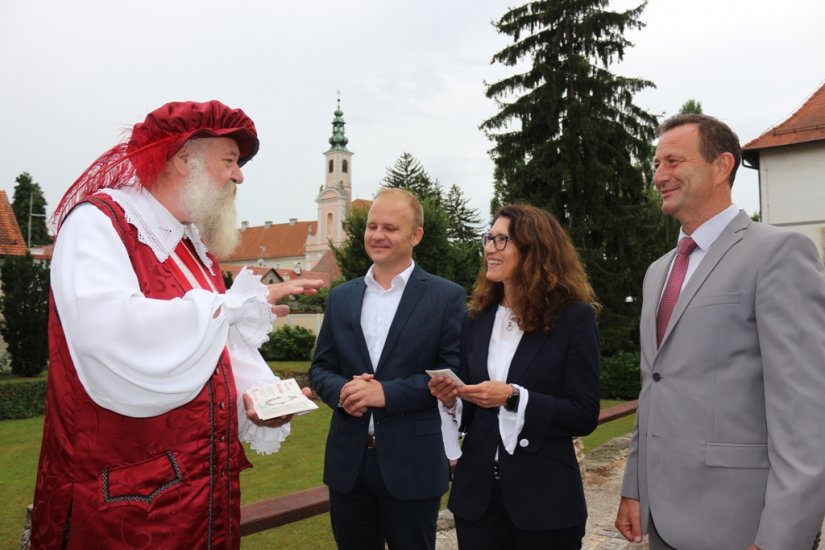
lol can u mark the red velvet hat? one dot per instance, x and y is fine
(154, 141)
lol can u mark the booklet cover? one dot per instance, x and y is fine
(280, 399)
(446, 373)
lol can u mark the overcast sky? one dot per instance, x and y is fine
(411, 76)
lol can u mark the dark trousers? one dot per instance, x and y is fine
(495, 531)
(367, 516)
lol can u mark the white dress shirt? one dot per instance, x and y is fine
(377, 312)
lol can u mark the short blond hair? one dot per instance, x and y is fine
(411, 200)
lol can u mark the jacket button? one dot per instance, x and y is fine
(656, 376)
(523, 443)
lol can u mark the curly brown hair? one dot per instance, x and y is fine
(549, 278)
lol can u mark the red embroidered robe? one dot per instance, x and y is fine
(111, 481)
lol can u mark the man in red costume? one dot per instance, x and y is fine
(150, 355)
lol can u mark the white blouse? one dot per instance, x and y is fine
(140, 356)
(504, 341)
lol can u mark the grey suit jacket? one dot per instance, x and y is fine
(729, 444)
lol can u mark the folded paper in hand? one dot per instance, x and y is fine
(446, 373)
(280, 399)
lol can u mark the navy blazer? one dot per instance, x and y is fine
(423, 335)
(540, 482)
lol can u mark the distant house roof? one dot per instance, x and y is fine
(276, 240)
(288, 274)
(328, 264)
(807, 124)
(268, 274)
(11, 239)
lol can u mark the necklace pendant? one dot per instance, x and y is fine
(509, 324)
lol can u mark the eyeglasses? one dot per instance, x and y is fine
(499, 241)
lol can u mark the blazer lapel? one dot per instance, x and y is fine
(353, 311)
(650, 306)
(413, 292)
(482, 330)
(527, 349)
(732, 234)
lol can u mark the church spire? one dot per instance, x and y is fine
(338, 141)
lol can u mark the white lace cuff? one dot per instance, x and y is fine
(247, 310)
(450, 421)
(250, 371)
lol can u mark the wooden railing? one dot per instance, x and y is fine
(274, 512)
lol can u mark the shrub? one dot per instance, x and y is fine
(289, 343)
(620, 376)
(22, 399)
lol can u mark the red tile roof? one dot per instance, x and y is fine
(805, 125)
(328, 264)
(11, 239)
(277, 240)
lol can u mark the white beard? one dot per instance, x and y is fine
(211, 207)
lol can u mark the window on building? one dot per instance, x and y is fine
(330, 166)
(329, 222)
(345, 166)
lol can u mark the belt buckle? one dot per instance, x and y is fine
(371, 441)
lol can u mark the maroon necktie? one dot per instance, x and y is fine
(673, 286)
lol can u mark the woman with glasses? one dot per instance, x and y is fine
(530, 369)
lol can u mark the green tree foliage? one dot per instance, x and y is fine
(28, 194)
(569, 138)
(289, 343)
(450, 246)
(407, 173)
(691, 106)
(25, 306)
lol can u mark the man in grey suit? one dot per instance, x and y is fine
(728, 451)
(385, 464)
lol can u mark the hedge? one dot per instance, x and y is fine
(620, 376)
(22, 398)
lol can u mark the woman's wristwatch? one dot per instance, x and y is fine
(512, 402)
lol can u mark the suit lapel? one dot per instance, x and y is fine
(732, 234)
(482, 331)
(413, 292)
(353, 310)
(527, 349)
(650, 306)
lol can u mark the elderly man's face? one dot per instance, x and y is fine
(220, 157)
(209, 190)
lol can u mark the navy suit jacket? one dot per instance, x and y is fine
(540, 482)
(423, 335)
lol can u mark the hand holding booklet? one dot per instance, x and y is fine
(446, 373)
(280, 399)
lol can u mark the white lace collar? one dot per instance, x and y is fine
(157, 227)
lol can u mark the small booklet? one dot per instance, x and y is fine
(280, 399)
(446, 373)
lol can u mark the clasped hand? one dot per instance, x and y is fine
(487, 394)
(360, 393)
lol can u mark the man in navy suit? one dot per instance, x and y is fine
(385, 464)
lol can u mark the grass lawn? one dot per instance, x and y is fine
(299, 465)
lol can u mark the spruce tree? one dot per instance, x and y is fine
(28, 194)
(25, 307)
(569, 138)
